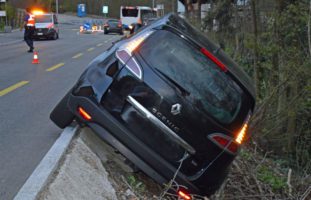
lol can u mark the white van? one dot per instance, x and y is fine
(135, 14)
(46, 26)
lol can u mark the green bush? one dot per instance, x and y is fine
(267, 176)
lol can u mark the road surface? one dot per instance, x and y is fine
(28, 92)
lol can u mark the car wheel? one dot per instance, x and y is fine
(61, 115)
(54, 36)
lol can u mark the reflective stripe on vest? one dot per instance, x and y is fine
(31, 21)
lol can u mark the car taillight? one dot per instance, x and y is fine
(84, 114)
(183, 194)
(225, 142)
(214, 59)
(125, 54)
(242, 133)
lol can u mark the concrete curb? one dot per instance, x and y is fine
(39, 178)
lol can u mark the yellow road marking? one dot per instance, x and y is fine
(55, 67)
(13, 87)
(90, 49)
(100, 44)
(78, 55)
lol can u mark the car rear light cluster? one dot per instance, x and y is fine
(242, 133)
(125, 54)
(230, 144)
(120, 24)
(183, 194)
(225, 142)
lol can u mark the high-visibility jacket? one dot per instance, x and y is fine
(31, 20)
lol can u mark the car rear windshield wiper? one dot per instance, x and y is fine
(183, 91)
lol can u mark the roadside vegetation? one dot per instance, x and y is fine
(271, 41)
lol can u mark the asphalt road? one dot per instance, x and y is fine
(28, 92)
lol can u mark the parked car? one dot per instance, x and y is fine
(113, 26)
(46, 26)
(170, 101)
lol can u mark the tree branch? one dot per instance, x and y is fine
(309, 29)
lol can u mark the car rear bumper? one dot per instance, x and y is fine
(114, 30)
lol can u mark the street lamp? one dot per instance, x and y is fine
(56, 7)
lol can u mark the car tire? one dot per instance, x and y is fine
(61, 115)
(54, 36)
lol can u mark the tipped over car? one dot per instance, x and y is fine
(170, 100)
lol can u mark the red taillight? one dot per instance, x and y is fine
(184, 195)
(84, 114)
(214, 59)
(224, 142)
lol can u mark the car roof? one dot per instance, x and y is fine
(180, 24)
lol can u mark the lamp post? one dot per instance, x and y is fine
(56, 4)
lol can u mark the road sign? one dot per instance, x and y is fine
(105, 9)
(2, 13)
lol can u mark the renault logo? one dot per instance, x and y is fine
(176, 108)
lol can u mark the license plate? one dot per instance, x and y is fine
(40, 33)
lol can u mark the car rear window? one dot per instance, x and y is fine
(113, 22)
(211, 90)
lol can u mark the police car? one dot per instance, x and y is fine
(46, 26)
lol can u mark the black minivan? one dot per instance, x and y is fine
(170, 101)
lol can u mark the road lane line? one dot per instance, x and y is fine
(91, 49)
(78, 55)
(55, 67)
(100, 44)
(13, 87)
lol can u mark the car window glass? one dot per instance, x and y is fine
(129, 12)
(211, 90)
(115, 23)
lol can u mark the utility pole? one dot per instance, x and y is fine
(56, 4)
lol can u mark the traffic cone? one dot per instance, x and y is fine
(35, 58)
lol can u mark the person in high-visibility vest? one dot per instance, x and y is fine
(29, 26)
